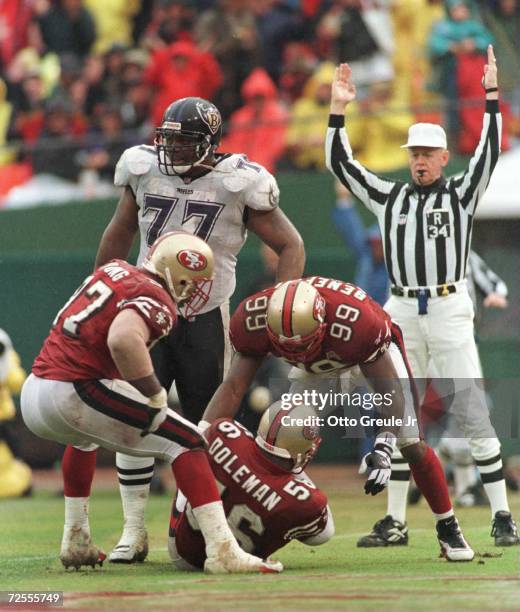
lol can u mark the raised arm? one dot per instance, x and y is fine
(472, 184)
(371, 189)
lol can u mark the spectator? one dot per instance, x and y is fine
(277, 25)
(15, 476)
(361, 36)
(412, 22)
(113, 89)
(299, 62)
(229, 32)
(452, 40)
(503, 20)
(180, 71)
(258, 128)
(108, 144)
(67, 27)
(171, 21)
(309, 117)
(113, 21)
(56, 149)
(384, 124)
(14, 22)
(6, 112)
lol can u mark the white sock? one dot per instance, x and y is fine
(397, 489)
(445, 515)
(135, 475)
(397, 499)
(494, 483)
(76, 513)
(465, 477)
(213, 524)
(497, 495)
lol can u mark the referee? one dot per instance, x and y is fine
(426, 227)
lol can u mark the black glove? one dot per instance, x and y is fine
(379, 464)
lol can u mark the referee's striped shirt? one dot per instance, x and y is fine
(426, 230)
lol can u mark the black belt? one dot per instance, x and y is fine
(439, 291)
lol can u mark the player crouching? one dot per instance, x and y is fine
(267, 500)
(93, 384)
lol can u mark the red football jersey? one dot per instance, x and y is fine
(358, 329)
(265, 506)
(76, 348)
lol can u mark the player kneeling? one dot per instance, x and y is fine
(93, 384)
(267, 499)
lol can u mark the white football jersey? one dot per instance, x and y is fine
(212, 207)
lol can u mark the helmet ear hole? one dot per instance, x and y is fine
(185, 263)
(296, 319)
(290, 433)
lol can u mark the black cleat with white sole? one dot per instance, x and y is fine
(453, 545)
(386, 532)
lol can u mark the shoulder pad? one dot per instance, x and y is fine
(134, 162)
(140, 159)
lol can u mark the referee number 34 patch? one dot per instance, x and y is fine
(438, 224)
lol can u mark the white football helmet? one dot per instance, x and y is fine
(296, 319)
(279, 434)
(185, 262)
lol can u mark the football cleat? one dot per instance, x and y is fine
(386, 532)
(131, 548)
(228, 558)
(77, 549)
(504, 529)
(453, 545)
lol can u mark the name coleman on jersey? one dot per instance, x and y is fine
(241, 474)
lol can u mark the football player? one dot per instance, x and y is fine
(182, 183)
(335, 336)
(267, 500)
(93, 384)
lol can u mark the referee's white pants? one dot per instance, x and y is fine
(55, 410)
(346, 381)
(445, 335)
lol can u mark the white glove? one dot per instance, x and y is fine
(157, 411)
(203, 426)
(379, 462)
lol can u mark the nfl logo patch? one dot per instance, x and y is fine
(402, 219)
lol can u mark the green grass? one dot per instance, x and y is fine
(337, 575)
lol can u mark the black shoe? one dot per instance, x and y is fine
(453, 545)
(504, 529)
(386, 532)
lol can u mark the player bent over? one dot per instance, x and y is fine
(93, 385)
(267, 500)
(337, 337)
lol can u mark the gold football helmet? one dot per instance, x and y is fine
(296, 319)
(292, 433)
(185, 262)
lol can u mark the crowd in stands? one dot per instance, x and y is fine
(81, 80)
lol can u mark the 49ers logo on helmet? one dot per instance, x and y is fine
(310, 432)
(193, 260)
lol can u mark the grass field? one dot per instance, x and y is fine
(337, 575)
